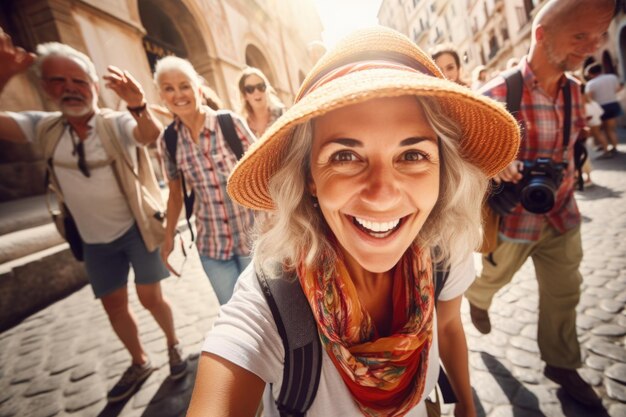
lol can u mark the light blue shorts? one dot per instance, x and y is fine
(108, 264)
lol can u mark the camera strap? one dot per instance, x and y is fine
(567, 117)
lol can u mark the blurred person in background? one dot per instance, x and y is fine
(603, 88)
(203, 160)
(479, 77)
(259, 103)
(447, 59)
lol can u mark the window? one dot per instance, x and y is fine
(494, 47)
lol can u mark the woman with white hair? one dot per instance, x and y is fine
(378, 170)
(202, 161)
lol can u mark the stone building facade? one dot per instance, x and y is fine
(489, 32)
(219, 37)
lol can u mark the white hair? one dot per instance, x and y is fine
(49, 49)
(170, 63)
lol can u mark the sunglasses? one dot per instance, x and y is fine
(79, 150)
(249, 89)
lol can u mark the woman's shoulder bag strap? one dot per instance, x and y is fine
(303, 349)
(230, 134)
(170, 136)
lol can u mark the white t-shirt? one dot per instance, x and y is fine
(245, 334)
(593, 111)
(97, 204)
(603, 88)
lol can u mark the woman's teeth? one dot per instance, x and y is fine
(377, 229)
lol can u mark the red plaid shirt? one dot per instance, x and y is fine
(541, 119)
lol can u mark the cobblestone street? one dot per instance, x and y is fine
(62, 360)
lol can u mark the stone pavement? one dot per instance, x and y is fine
(62, 360)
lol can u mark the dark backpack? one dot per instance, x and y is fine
(170, 136)
(503, 199)
(303, 350)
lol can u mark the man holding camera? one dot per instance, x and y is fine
(564, 33)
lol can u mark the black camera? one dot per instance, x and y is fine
(540, 182)
(536, 191)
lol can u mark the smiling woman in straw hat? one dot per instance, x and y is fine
(377, 171)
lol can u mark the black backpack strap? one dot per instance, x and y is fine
(230, 134)
(567, 117)
(580, 151)
(170, 135)
(514, 88)
(303, 350)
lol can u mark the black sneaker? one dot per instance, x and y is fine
(480, 319)
(178, 365)
(573, 385)
(130, 381)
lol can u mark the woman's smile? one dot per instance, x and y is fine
(376, 229)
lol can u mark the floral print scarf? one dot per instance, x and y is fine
(385, 375)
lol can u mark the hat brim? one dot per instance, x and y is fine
(489, 134)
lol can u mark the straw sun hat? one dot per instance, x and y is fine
(372, 63)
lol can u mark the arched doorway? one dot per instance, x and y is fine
(255, 58)
(162, 38)
(607, 63)
(171, 29)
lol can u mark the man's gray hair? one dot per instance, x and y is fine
(46, 50)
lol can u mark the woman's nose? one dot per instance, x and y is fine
(380, 187)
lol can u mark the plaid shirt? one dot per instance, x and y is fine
(541, 120)
(222, 225)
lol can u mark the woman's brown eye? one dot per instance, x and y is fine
(343, 156)
(413, 156)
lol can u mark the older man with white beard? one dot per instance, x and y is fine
(113, 236)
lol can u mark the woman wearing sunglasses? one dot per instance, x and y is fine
(260, 105)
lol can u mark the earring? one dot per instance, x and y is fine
(316, 204)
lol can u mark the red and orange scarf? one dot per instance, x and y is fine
(386, 375)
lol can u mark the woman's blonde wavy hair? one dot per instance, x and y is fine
(297, 230)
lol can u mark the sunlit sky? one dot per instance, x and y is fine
(340, 17)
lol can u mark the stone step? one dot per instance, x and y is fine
(18, 244)
(34, 281)
(23, 214)
(36, 265)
